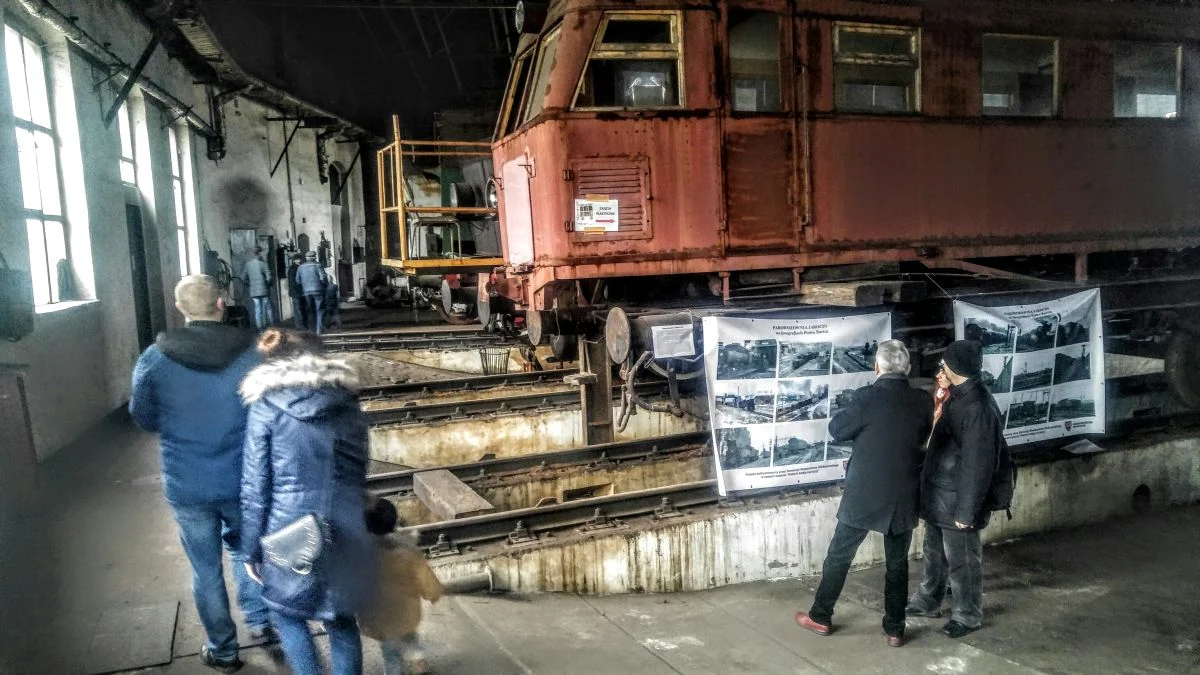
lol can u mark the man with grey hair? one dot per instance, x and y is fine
(887, 422)
(185, 389)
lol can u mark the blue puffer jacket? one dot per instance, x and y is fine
(311, 277)
(185, 388)
(306, 452)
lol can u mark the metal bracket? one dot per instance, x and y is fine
(441, 549)
(730, 502)
(665, 510)
(134, 74)
(286, 145)
(177, 117)
(599, 522)
(520, 536)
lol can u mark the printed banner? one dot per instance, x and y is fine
(1043, 363)
(773, 384)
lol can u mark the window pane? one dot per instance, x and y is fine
(35, 75)
(864, 44)
(38, 268)
(14, 57)
(626, 31)
(542, 79)
(518, 94)
(173, 147)
(1021, 69)
(620, 83)
(885, 89)
(128, 172)
(1145, 80)
(181, 235)
(56, 252)
(180, 219)
(126, 133)
(27, 156)
(754, 61)
(47, 164)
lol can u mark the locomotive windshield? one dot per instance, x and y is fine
(541, 77)
(634, 63)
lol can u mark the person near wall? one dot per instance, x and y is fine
(305, 470)
(312, 280)
(333, 305)
(955, 482)
(257, 275)
(405, 579)
(296, 294)
(185, 388)
(888, 423)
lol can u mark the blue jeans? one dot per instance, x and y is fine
(955, 556)
(396, 652)
(202, 529)
(264, 314)
(345, 645)
(299, 309)
(316, 311)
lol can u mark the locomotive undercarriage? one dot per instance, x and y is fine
(1151, 301)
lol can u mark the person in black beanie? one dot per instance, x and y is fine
(955, 479)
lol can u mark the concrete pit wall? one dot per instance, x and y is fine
(509, 435)
(526, 491)
(776, 539)
(467, 361)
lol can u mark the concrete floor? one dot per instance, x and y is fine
(98, 571)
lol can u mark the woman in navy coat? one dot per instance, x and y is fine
(306, 453)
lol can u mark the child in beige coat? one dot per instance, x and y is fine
(404, 579)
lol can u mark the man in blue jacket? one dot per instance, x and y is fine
(312, 279)
(185, 388)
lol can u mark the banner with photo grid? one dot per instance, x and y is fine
(773, 384)
(1043, 363)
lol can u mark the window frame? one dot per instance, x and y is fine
(53, 293)
(914, 61)
(783, 38)
(554, 34)
(183, 230)
(636, 52)
(513, 99)
(1179, 97)
(125, 115)
(1056, 95)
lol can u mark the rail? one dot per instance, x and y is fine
(394, 482)
(402, 340)
(428, 412)
(480, 383)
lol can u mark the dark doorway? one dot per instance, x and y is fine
(141, 277)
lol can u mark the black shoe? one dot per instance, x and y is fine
(222, 665)
(265, 633)
(913, 610)
(956, 630)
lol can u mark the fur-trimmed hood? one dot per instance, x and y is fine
(306, 373)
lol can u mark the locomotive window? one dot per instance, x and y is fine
(876, 68)
(541, 78)
(634, 63)
(1020, 76)
(1145, 80)
(754, 61)
(511, 115)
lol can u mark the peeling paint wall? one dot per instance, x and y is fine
(775, 540)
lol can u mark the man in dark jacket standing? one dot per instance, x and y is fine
(296, 294)
(888, 422)
(185, 388)
(312, 279)
(955, 482)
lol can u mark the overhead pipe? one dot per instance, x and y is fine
(78, 37)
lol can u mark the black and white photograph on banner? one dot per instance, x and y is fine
(1033, 371)
(1076, 328)
(1028, 408)
(997, 373)
(843, 388)
(745, 447)
(741, 402)
(1034, 335)
(799, 443)
(1073, 363)
(854, 355)
(804, 359)
(1072, 401)
(994, 335)
(835, 450)
(806, 399)
(747, 359)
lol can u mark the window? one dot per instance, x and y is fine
(634, 63)
(876, 68)
(128, 165)
(541, 79)
(754, 61)
(510, 117)
(183, 230)
(37, 151)
(1145, 80)
(1020, 76)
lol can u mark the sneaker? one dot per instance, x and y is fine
(914, 610)
(806, 622)
(231, 665)
(954, 630)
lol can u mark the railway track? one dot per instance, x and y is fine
(604, 454)
(385, 340)
(429, 412)
(464, 384)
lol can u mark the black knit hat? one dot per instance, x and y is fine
(964, 357)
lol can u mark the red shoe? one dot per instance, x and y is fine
(894, 640)
(807, 623)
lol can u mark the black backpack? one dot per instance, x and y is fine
(1004, 478)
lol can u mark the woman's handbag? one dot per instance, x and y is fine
(296, 546)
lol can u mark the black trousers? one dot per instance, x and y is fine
(842, 549)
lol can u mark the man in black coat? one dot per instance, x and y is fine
(888, 423)
(955, 482)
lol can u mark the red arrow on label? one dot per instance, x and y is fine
(605, 220)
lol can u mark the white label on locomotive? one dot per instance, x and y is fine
(597, 213)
